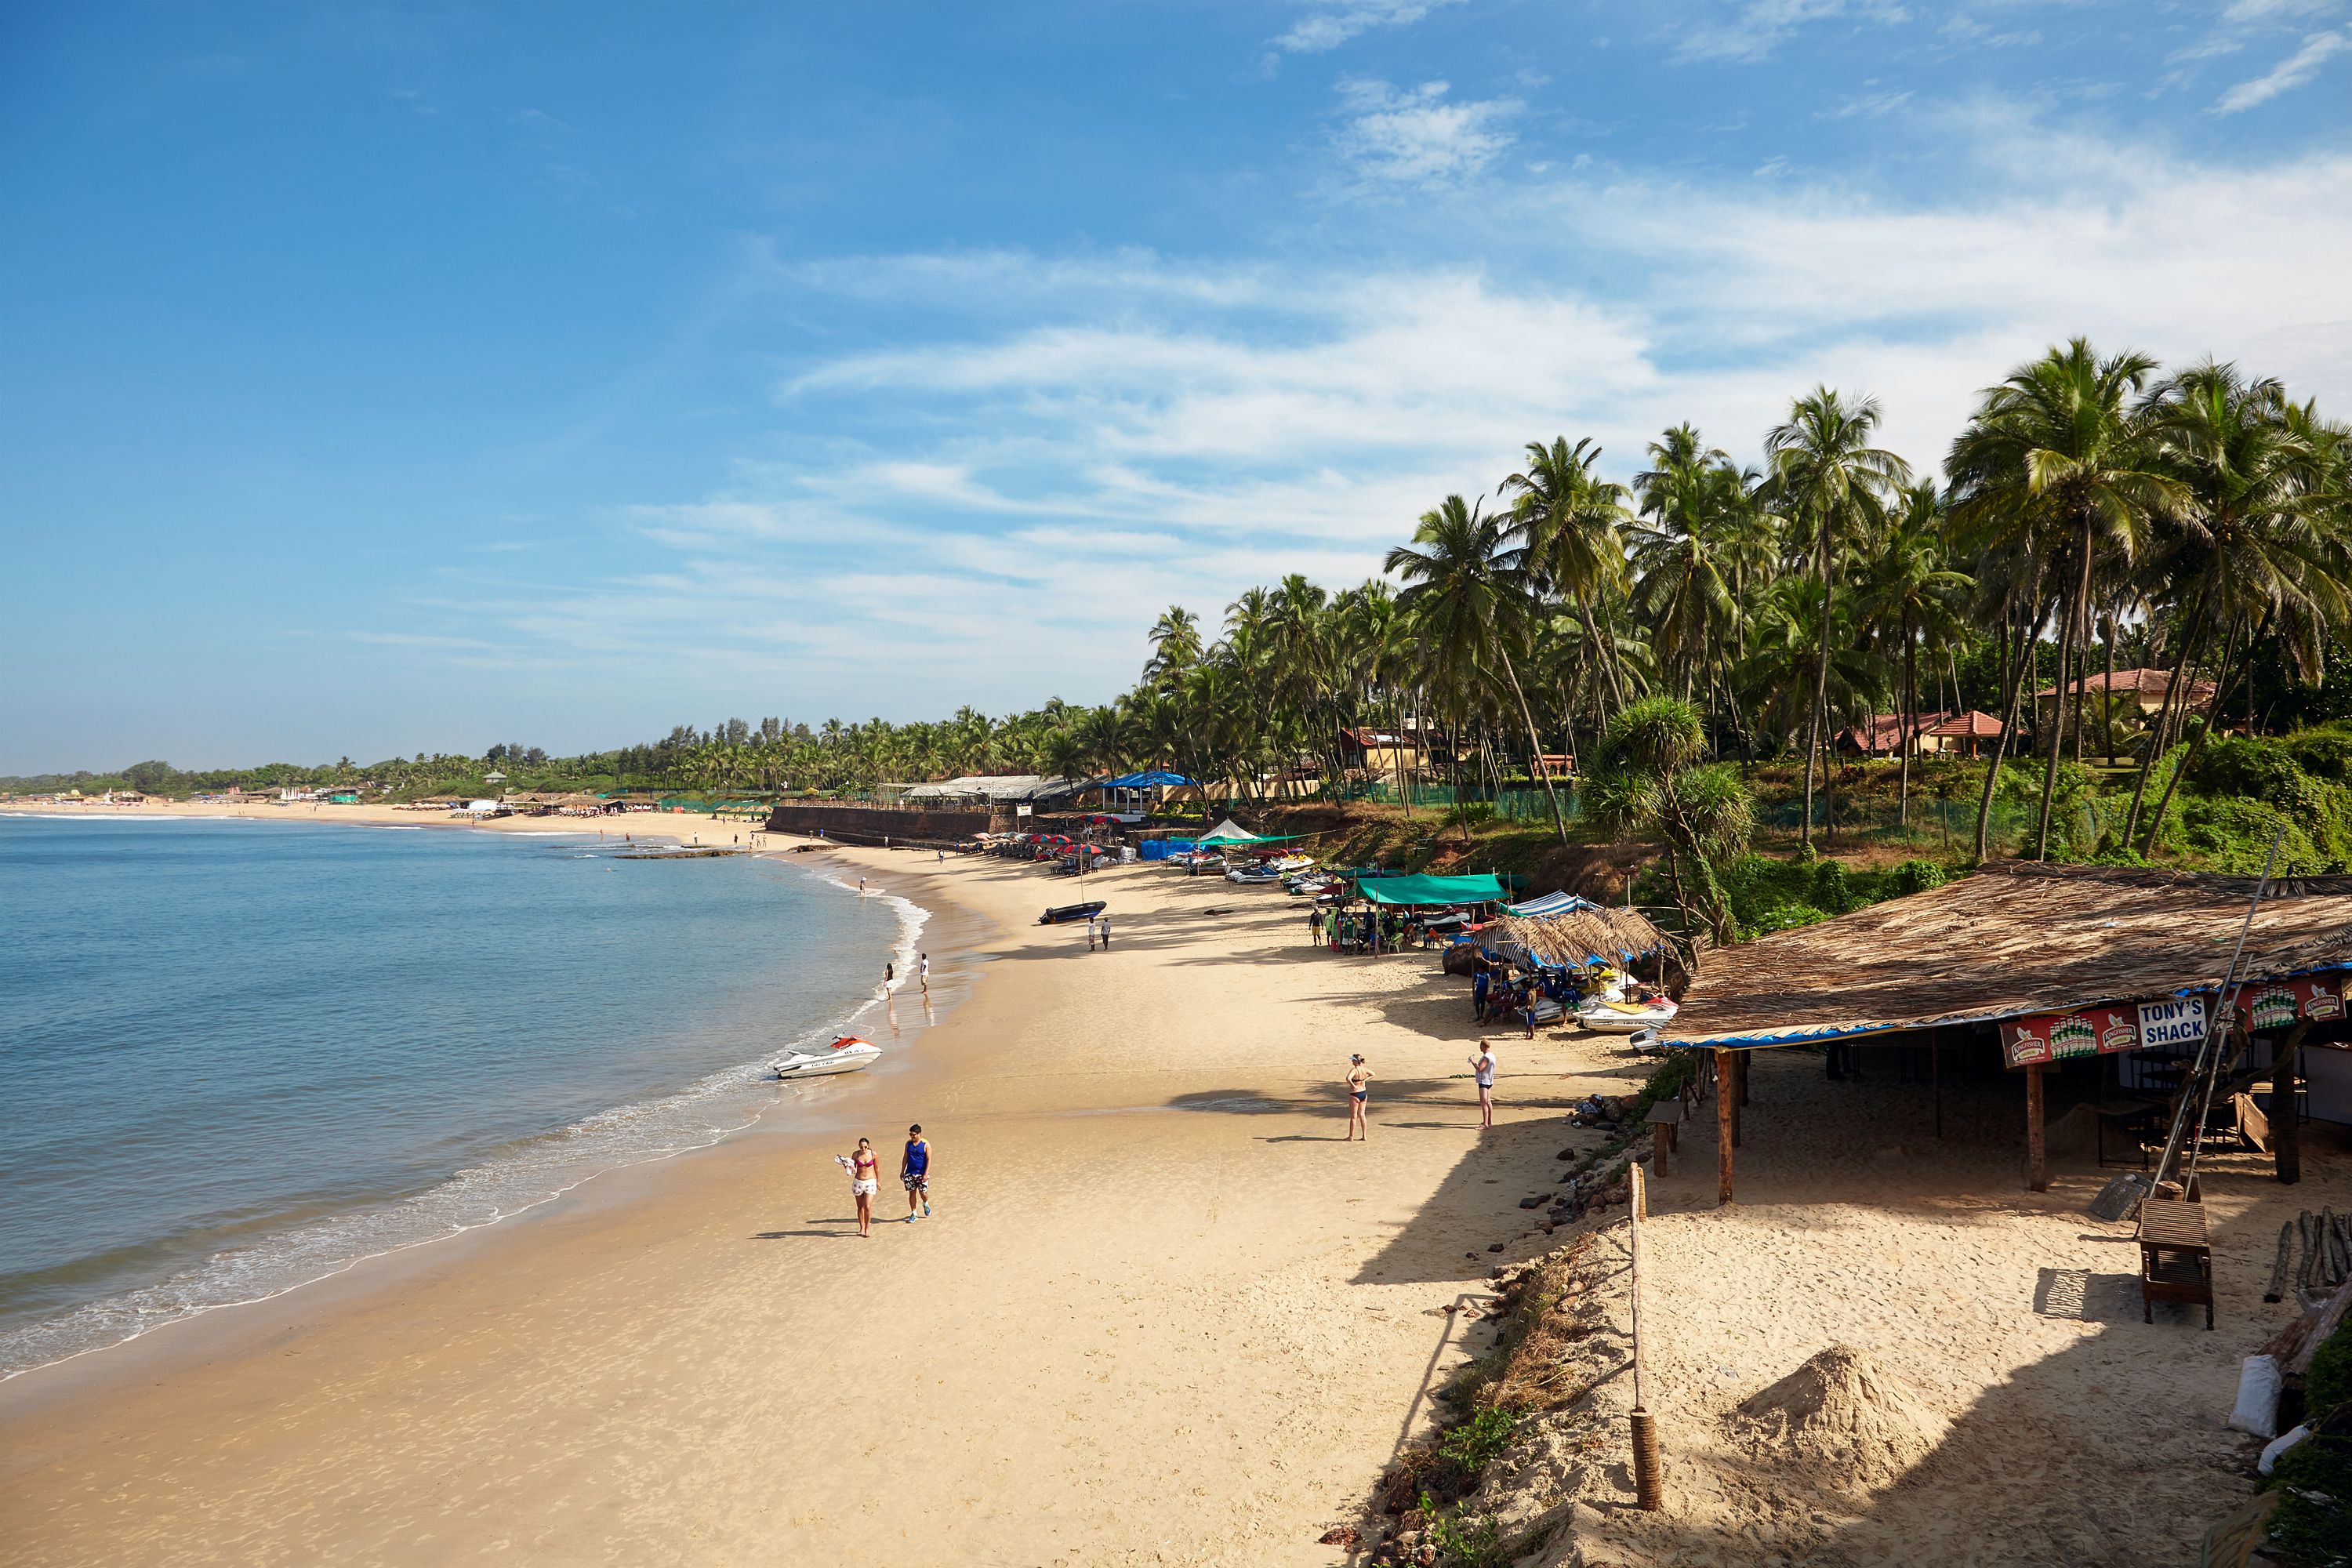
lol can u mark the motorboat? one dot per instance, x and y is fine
(1067, 914)
(1620, 1018)
(847, 1054)
(1249, 875)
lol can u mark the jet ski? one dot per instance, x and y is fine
(847, 1053)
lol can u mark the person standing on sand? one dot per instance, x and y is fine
(915, 1173)
(923, 971)
(1482, 1067)
(889, 974)
(861, 1167)
(1359, 1080)
(1313, 927)
(1106, 925)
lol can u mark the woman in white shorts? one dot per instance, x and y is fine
(863, 1176)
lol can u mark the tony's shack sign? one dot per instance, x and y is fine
(2177, 1021)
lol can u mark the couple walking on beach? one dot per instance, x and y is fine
(865, 1177)
(1360, 1089)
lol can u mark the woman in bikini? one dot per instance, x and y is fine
(1359, 1082)
(864, 1174)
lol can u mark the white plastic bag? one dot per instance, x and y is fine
(2281, 1445)
(2258, 1397)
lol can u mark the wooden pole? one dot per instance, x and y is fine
(2286, 1135)
(1647, 1493)
(1726, 1139)
(2037, 1164)
(1739, 1095)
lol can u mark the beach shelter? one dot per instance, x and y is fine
(1411, 890)
(1229, 832)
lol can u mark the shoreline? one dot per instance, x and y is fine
(722, 1083)
(1151, 1251)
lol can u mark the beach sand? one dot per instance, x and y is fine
(1163, 1314)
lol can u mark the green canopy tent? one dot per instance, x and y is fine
(1430, 890)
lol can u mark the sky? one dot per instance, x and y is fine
(378, 379)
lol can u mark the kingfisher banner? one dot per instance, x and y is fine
(2283, 1004)
(2054, 1037)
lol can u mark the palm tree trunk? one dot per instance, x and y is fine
(2107, 703)
(1535, 747)
(1904, 726)
(2057, 728)
(2175, 699)
(2197, 743)
(1604, 657)
(2013, 662)
(1820, 696)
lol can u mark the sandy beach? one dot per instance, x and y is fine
(1163, 1314)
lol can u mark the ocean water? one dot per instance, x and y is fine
(237, 1055)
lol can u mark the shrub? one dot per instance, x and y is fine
(1475, 1444)
(2325, 753)
(2261, 770)
(2328, 1381)
(1913, 877)
(1830, 890)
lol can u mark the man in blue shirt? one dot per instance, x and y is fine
(915, 1173)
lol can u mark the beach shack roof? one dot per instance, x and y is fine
(2017, 938)
(1564, 930)
(1409, 889)
(1000, 787)
(1968, 726)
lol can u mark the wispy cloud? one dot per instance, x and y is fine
(1329, 25)
(1414, 136)
(1758, 27)
(1869, 106)
(2298, 68)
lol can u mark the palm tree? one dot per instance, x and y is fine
(1471, 600)
(2261, 528)
(2058, 442)
(1833, 486)
(1652, 779)
(1912, 590)
(1567, 518)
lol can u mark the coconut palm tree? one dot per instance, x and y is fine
(1567, 521)
(2059, 443)
(1652, 779)
(1833, 487)
(1467, 593)
(1911, 590)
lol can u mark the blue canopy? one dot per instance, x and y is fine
(1155, 780)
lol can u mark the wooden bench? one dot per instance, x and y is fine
(2176, 1258)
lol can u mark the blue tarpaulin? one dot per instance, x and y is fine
(1156, 780)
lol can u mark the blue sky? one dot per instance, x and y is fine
(377, 379)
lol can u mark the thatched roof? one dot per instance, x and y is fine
(1580, 935)
(2017, 937)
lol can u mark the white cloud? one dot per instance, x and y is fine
(1760, 26)
(1415, 137)
(1328, 26)
(1001, 505)
(2288, 74)
(1869, 106)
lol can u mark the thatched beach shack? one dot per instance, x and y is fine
(2104, 975)
(1566, 932)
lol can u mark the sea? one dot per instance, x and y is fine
(237, 1056)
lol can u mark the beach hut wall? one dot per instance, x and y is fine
(2016, 938)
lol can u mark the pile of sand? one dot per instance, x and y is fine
(1841, 1421)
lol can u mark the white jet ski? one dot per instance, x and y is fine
(1610, 1014)
(847, 1053)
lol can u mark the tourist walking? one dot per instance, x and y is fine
(889, 974)
(915, 1173)
(1106, 925)
(923, 971)
(863, 1179)
(1359, 1082)
(1482, 1067)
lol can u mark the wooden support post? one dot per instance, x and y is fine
(2037, 1163)
(1725, 1109)
(2286, 1134)
(1738, 1092)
